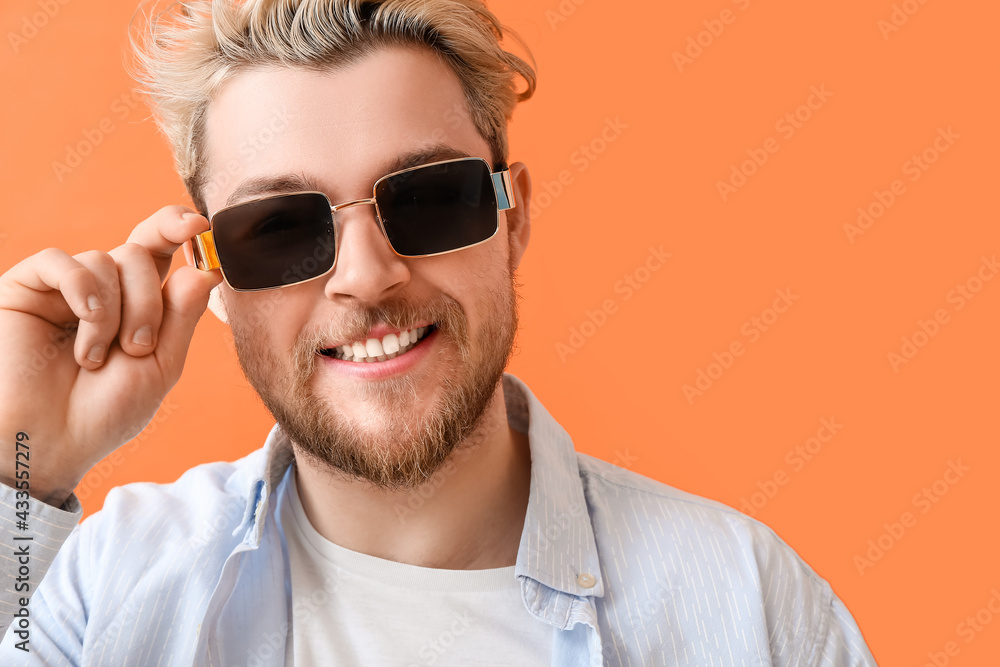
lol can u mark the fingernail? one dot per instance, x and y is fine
(93, 302)
(188, 217)
(143, 336)
(97, 353)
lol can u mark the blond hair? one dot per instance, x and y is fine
(184, 55)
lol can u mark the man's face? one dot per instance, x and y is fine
(390, 422)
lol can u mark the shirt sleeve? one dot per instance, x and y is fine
(806, 622)
(842, 644)
(31, 534)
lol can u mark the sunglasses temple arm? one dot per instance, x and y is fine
(203, 251)
(504, 189)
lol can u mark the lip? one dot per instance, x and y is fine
(379, 331)
(377, 370)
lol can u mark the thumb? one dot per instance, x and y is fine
(185, 297)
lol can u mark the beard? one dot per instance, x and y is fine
(391, 447)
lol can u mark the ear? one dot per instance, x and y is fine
(519, 217)
(216, 305)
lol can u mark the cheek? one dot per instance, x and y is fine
(270, 319)
(466, 274)
(480, 283)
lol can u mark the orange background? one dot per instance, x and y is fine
(680, 131)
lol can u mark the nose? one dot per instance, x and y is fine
(367, 269)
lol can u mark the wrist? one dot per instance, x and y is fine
(54, 494)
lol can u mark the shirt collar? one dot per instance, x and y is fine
(557, 545)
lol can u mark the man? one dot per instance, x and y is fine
(367, 256)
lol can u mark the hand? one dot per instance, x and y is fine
(91, 345)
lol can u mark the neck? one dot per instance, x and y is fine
(468, 516)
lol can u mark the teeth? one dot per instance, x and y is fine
(374, 347)
(389, 347)
(390, 344)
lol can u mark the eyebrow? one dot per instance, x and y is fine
(285, 183)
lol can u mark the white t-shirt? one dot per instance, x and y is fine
(353, 609)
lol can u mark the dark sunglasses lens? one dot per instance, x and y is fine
(275, 241)
(439, 207)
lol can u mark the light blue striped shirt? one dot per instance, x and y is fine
(626, 570)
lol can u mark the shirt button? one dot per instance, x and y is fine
(586, 580)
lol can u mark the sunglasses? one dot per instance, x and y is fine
(287, 239)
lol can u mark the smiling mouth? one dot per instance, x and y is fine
(388, 347)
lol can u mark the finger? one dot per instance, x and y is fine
(185, 297)
(93, 338)
(53, 286)
(141, 299)
(165, 231)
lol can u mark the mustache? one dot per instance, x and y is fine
(398, 313)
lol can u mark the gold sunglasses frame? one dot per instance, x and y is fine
(206, 257)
